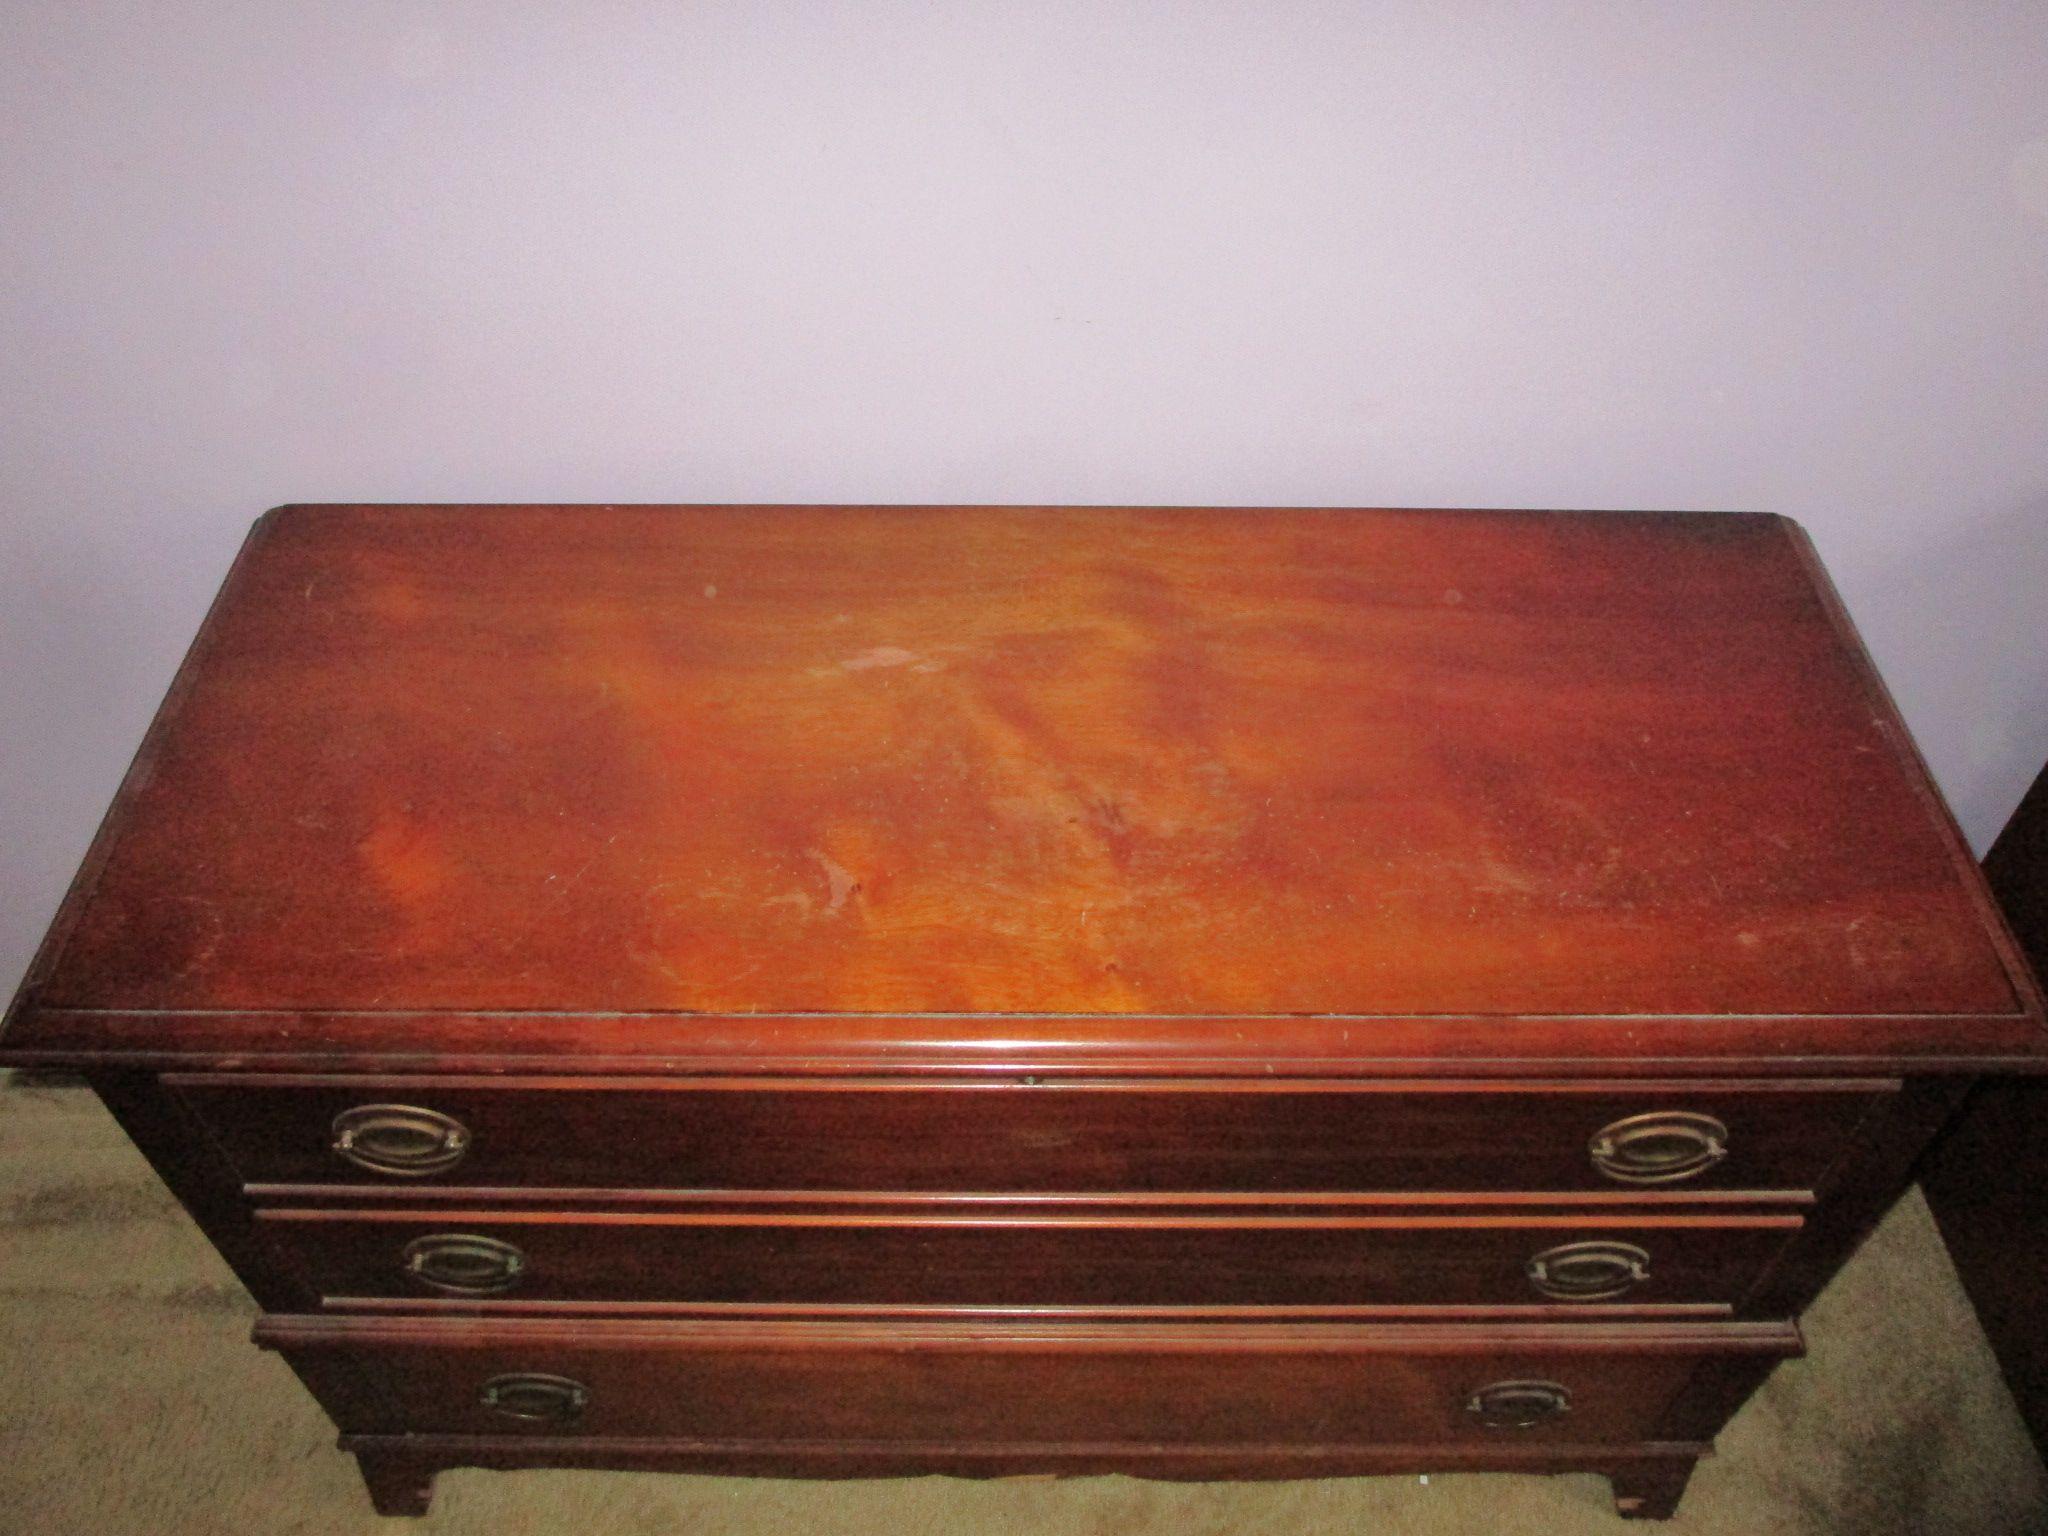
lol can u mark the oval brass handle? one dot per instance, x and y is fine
(1588, 1271)
(463, 1263)
(1661, 1147)
(535, 1397)
(1519, 1404)
(400, 1139)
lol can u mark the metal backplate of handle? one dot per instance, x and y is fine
(463, 1264)
(1519, 1404)
(1661, 1147)
(1588, 1271)
(534, 1397)
(400, 1139)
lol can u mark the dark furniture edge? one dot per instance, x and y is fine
(140, 767)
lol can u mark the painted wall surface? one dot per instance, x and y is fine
(1645, 254)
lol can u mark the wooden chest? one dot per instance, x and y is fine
(1196, 993)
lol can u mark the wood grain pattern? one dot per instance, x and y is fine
(1004, 990)
(784, 1134)
(1089, 763)
(1082, 1261)
(1137, 1385)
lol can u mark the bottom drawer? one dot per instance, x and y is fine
(1073, 1385)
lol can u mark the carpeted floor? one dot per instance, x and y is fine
(132, 1401)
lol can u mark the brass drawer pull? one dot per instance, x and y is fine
(464, 1264)
(400, 1139)
(535, 1398)
(1588, 1271)
(1659, 1148)
(1519, 1404)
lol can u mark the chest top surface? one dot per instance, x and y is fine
(945, 765)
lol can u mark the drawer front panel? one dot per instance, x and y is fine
(839, 1261)
(778, 1135)
(498, 1380)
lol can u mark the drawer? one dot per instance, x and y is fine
(825, 1135)
(1130, 1385)
(843, 1260)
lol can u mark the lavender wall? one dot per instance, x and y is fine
(1632, 255)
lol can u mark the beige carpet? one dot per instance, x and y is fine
(132, 1401)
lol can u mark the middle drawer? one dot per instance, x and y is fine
(844, 1259)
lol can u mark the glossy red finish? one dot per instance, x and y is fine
(1269, 1137)
(1028, 989)
(1091, 1260)
(1143, 1386)
(664, 768)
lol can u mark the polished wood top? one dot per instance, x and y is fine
(918, 763)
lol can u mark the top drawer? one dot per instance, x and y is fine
(784, 1134)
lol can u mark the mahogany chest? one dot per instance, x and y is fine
(1195, 993)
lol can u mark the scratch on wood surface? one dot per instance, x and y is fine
(838, 878)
